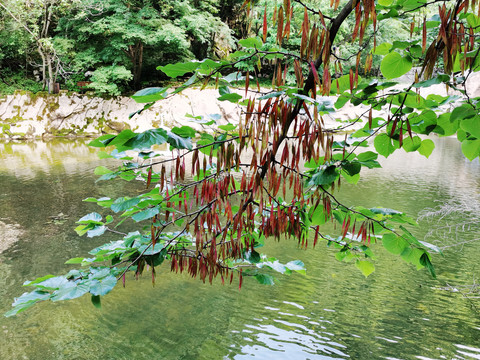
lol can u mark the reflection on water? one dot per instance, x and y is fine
(331, 313)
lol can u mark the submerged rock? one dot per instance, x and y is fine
(9, 234)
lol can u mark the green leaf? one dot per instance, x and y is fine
(184, 131)
(425, 261)
(179, 69)
(384, 48)
(412, 144)
(179, 142)
(227, 127)
(471, 148)
(433, 81)
(318, 216)
(296, 265)
(366, 267)
(462, 112)
(232, 97)
(352, 167)
(426, 147)
(77, 260)
(472, 126)
(70, 291)
(265, 279)
(146, 139)
(146, 214)
(253, 42)
(96, 231)
(102, 170)
(149, 95)
(367, 155)
(325, 175)
(92, 218)
(395, 65)
(27, 300)
(384, 146)
(96, 301)
(124, 203)
(394, 244)
(103, 286)
(100, 141)
(121, 138)
(272, 95)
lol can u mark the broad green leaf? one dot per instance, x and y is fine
(425, 261)
(96, 301)
(179, 69)
(318, 216)
(265, 279)
(426, 147)
(121, 138)
(184, 131)
(103, 286)
(146, 139)
(96, 231)
(146, 214)
(77, 260)
(52, 283)
(227, 127)
(232, 97)
(179, 142)
(384, 48)
(148, 250)
(411, 144)
(92, 218)
(102, 170)
(367, 155)
(253, 42)
(366, 267)
(439, 79)
(296, 265)
(431, 247)
(324, 175)
(150, 95)
(412, 255)
(395, 65)
(472, 126)
(384, 145)
(71, 291)
(352, 167)
(471, 148)
(124, 203)
(272, 95)
(394, 244)
(462, 112)
(27, 300)
(100, 141)
(385, 211)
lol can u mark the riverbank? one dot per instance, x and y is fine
(25, 115)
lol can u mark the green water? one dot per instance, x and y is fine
(331, 313)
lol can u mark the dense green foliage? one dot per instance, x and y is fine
(111, 43)
(224, 190)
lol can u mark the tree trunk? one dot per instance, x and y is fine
(135, 53)
(44, 63)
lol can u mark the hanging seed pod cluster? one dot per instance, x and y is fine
(274, 174)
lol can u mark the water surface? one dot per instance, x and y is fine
(331, 313)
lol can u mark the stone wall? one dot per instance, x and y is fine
(26, 115)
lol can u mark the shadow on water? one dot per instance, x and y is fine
(331, 313)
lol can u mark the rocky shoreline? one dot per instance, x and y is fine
(26, 115)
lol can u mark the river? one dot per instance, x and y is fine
(333, 312)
